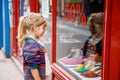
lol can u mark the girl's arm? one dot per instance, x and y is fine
(33, 58)
(35, 74)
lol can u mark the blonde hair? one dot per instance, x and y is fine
(25, 25)
(97, 18)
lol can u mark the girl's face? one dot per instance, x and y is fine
(40, 30)
(92, 29)
(95, 29)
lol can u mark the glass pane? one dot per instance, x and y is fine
(73, 32)
(45, 10)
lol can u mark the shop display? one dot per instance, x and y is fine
(85, 74)
(89, 74)
(88, 67)
(79, 45)
(73, 58)
(94, 72)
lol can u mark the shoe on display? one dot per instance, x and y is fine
(83, 70)
(95, 68)
(91, 61)
(75, 53)
(98, 64)
(71, 61)
(73, 58)
(91, 73)
(81, 66)
(90, 64)
(98, 72)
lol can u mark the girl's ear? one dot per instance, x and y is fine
(34, 28)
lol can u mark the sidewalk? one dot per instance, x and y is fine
(8, 70)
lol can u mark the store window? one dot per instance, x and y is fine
(79, 49)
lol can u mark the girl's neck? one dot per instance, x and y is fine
(34, 37)
(97, 36)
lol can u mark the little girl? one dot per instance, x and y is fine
(31, 28)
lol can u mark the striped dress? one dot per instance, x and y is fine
(34, 57)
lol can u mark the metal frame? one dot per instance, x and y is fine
(6, 28)
(1, 23)
(54, 30)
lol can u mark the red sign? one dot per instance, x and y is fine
(73, 12)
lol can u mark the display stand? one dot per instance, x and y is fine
(69, 70)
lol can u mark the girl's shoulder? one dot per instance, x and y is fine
(29, 41)
(32, 44)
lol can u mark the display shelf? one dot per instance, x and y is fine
(77, 76)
